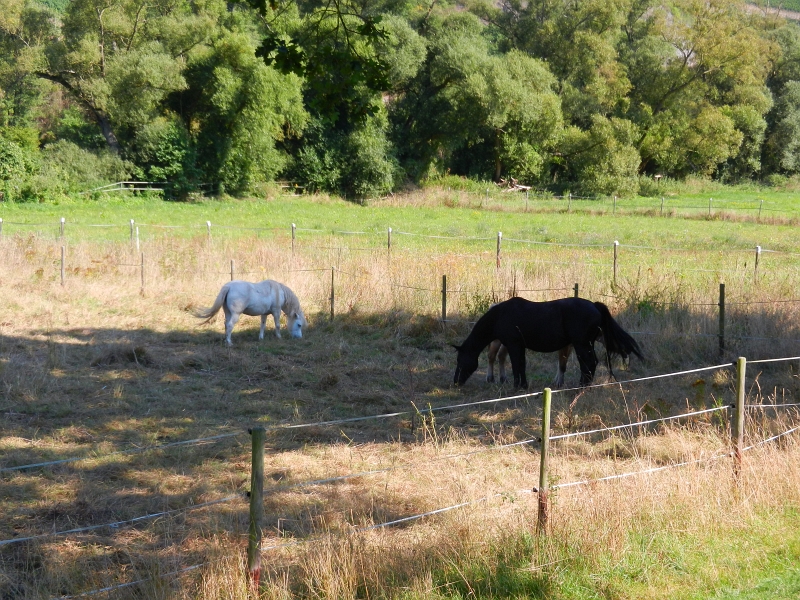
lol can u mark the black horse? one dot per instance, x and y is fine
(544, 327)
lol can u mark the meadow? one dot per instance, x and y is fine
(112, 368)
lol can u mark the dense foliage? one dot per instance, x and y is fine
(361, 97)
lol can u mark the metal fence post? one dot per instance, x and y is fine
(499, 240)
(258, 435)
(721, 318)
(616, 246)
(737, 423)
(544, 505)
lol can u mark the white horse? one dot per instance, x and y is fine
(257, 299)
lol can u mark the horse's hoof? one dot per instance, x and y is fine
(489, 379)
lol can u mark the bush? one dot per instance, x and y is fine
(82, 170)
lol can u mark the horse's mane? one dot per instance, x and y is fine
(290, 300)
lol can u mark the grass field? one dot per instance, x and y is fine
(103, 364)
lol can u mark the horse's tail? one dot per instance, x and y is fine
(617, 340)
(210, 313)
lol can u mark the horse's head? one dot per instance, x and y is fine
(466, 364)
(296, 321)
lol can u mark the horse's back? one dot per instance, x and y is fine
(544, 326)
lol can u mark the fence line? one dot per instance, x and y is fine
(117, 524)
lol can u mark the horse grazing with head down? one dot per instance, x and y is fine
(545, 327)
(257, 299)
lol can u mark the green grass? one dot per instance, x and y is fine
(754, 560)
(276, 216)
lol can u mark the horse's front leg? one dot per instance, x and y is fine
(276, 316)
(501, 363)
(263, 326)
(493, 348)
(517, 356)
(587, 360)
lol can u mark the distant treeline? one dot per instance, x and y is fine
(360, 97)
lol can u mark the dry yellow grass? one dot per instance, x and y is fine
(97, 366)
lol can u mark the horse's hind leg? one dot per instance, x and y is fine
(517, 356)
(263, 326)
(231, 318)
(563, 357)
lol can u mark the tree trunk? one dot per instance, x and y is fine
(99, 115)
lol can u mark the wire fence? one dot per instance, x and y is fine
(418, 464)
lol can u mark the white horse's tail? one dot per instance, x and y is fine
(210, 313)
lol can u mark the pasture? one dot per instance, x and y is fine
(112, 368)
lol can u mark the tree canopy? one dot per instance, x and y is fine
(361, 97)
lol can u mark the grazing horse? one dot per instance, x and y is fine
(257, 299)
(544, 327)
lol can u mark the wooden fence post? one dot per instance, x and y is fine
(389, 240)
(721, 318)
(333, 293)
(132, 224)
(544, 505)
(63, 221)
(615, 206)
(499, 239)
(760, 206)
(709, 206)
(576, 290)
(444, 298)
(737, 422)
(616, 246)
(294, 228)
(662, 206)
(526, 200)
(258, 435)
(755, 270)
(569, 203)
(208, 225)
(63, 252)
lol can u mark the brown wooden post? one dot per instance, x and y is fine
(63, 252)
(544, 505)
(132, 232)
(444, 298)
(737, 421)
(721, 318)
(613, 212)
(499, 240)
(63, 221)
(760, 206)
(616, 246)
(258, 435)
(333, 292)
(389, 240)
(755, 270)
(294, 228)
(576, 290)
(232, 271)
(526, 200)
